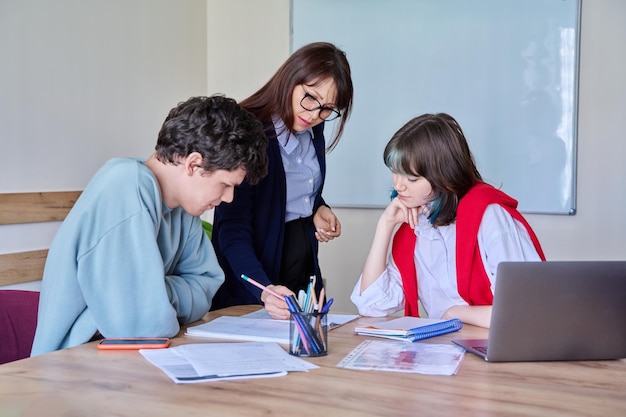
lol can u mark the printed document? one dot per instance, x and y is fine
(395, 356)
(203, 362)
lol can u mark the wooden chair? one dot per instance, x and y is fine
(18, 308)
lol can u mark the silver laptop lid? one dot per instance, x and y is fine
(559, 310)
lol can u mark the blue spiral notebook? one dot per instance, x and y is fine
(410, 329)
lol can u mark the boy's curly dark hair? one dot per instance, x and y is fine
(226, 135)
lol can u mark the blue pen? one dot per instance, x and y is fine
(326, 306)
(294, 308)
(292, 304)
(305, 327)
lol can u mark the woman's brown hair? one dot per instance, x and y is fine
(308, 65)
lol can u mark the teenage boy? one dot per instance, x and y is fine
(131, 259)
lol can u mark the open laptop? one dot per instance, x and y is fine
(559, 310)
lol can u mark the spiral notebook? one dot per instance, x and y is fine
(410, 328)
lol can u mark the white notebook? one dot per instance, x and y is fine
(242, 328)
(257, 326)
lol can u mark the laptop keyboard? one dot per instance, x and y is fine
(481, 349)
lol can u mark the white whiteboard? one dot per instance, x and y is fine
(507, 70)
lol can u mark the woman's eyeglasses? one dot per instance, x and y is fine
(310, 103)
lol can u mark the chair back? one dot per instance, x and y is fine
(18, 321)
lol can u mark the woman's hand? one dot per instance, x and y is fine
(327, 226)
(276, 307)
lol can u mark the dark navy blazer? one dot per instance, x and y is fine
(248, 233)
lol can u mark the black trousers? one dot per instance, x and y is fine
(297, 264)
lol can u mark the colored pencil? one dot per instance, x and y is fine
(261, 286)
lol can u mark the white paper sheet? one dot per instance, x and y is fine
(333, 320)
(242, 328)
(203, 362)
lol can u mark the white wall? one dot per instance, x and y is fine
(82, 81)
(246, 42)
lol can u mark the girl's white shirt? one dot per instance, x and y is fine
(500, 238)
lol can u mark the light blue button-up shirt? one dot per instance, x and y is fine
(302, 170)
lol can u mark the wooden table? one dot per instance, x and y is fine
(83, 381)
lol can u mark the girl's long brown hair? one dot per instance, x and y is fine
(433, 146)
